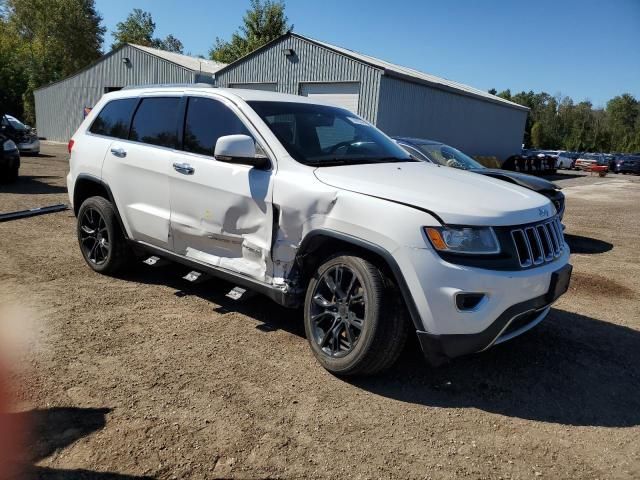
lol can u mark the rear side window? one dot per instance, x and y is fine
(155, 122)
(113, 120)
(205, 122)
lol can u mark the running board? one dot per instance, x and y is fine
(195, 277)
(287, 299)
(239, 293)
(5, 217)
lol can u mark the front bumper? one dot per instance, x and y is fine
(514, 321)
(513, 301)
(32, 146)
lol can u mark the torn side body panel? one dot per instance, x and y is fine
(320, 207)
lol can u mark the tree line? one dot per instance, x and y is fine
(559, 123)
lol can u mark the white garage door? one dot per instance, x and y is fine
(269, 87)
(345, 95)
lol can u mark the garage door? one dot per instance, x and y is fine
(268, 87)
(345, 95)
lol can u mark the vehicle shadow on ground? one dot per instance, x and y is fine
(54, 429)
(571, 370)
(587, 245)
(32, 185)
(565, 175)
(269, 315)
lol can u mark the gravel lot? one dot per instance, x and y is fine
(149, 376)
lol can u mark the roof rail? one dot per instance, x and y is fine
(170, 85)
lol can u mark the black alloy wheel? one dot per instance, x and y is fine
(338, 310)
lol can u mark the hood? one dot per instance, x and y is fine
(536, 184)
(458, 197)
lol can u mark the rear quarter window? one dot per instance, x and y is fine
(114, 119)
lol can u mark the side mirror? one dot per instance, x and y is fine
(239, 149)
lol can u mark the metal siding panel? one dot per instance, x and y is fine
(59, 107)
(311, 63)
(472, 125)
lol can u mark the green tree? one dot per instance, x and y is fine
(53, 39)
(622, 116)
(170, 44)
(262, 23)
(13, 74)
(138, 28)
(537, 135)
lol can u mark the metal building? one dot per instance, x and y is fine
(60, 106)
(399, 100)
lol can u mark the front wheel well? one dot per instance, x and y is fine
(316, 249)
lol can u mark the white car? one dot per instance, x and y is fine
(315, 207)
(566, 160)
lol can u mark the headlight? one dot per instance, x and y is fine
(9, 146)
(465, 240)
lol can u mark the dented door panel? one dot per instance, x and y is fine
(222, 215)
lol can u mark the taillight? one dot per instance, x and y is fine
(70, 145)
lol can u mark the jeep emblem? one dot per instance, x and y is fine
(543, 212)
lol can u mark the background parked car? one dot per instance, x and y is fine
(9, 159)
(23, 135)
(567, 160)
(535, 162)
(630, 164)
(442, 154)
(587, 160)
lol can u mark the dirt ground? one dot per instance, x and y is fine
(149, 376)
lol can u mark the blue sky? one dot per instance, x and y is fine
(586, 49)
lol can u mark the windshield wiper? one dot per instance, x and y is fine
(391, 160)
(333, 162)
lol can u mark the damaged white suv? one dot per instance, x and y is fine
(313, 206)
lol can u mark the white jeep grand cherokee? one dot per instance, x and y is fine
(314, 207)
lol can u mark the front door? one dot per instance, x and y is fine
(221, 214)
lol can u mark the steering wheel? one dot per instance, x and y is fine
(341, 145)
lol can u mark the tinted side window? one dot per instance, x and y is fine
(113, 120)
(206, 121)
(155, 122)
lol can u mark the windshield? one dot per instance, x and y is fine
(322, 136)
(15, 123)
(448, 156)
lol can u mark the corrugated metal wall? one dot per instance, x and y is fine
(59, 107)
(474, 126)
(311, 63)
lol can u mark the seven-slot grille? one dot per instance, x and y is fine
(539, 243)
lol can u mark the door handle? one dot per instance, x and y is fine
(184, 168)
(119, 152)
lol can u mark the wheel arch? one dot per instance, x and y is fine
(89, 186)
(320, 243)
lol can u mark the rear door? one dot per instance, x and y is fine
(136, 169)
(221, 214)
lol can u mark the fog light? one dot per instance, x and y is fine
(468, 301)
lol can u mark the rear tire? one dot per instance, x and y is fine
(102, 243)
(353, 321)
(9, 175)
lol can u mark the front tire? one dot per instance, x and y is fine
(353, 322)
(100, 237)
